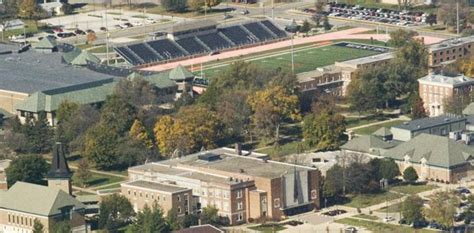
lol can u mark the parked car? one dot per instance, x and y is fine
(79, 32)
(103, 29)
(244, 12)
(388, 219)
(65, 34)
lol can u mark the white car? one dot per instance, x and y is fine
(150, 20)
(137, 23)
(388, 219)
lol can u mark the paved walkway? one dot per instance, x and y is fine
(400, 118)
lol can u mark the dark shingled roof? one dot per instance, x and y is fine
(428, 122)
(59, 167)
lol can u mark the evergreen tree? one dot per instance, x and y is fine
(27, 168)
(410, 174)
(38, 227)
(115, 212)
(149, 221)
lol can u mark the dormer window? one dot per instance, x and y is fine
(406, 159)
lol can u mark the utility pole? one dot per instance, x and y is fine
(457, 17)
(292, 56)
(106, 37)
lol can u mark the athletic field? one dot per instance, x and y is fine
(306, 58)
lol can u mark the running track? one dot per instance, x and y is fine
(339, 35)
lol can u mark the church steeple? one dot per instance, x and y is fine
(59, 175)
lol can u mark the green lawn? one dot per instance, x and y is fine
(31, 27)
(99, 180)
(412, 189)
(373, 128)
(355, 121)
(378, 227)
(365, 200)
(282, 150)
(267, 228)
(394, 208)
(366, 216)
(305, 59)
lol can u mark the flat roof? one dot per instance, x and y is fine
(31, 71)
(428, 122)
(452, 43)
(368, 59)
(231, 162)
(168, 188)
(445, 80)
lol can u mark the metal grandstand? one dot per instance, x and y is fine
(199, 41)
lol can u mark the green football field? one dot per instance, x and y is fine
(306, 58)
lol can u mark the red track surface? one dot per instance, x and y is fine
(339, 35)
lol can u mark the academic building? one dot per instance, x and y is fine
(242, 185)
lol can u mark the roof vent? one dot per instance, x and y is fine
(209, 157)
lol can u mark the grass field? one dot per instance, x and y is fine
(365, 200)
(365, 216)
(373, 128)
(97, 179)
(305, 58)
(412, 189)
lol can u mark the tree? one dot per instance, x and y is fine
(139, 133)
(184, 100)
(172, 220)
(61, 227)
(83, 173)
(411, 209)
(409, 174)
(72, 130)
(358, 179)
(417, 108)
(456, 103)
(192, 128)
(189, 220)
(442, 208)
(319, 11)
(117, 115)
(209, 215)
(149, 221)
(27, 9)
(136, 91)
(27, 168)
(65, 111)
(305, 27)
(115, 211)
(400, 37)
(324, 131)
(38, 227)
(271, 106)
(91, 37)
(447, 12)
(174, 5)
(431, 19)
(234, 111)
(333, 184)
(389, 169)
(38, 134)
(100, 147)
(326, 25)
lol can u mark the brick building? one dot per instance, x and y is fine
(449, 50)
(240, 184)
(167, 196)
(435, 89)
(334, 79)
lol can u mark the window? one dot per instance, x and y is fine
(179, 209)
(240, 205)
(179, 197)
(146, 195)
(129, 192)
(9, 218)
(152, 196)
(276, 202)
(134, 193)
(240, 217)
(239, 193)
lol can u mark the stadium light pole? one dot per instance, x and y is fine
(292, 56)
(106, 37)
(457, 17)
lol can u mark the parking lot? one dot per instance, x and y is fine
(105, 21)
(401, 18)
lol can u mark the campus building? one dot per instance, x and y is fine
(439, 148)
(24, 202)
(436, 89)
(450, 50)
(54, 73)
(143, 193)
(242, 185)
(334, 79)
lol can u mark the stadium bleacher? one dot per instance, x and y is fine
(214, 41)
(238, 35)
(163, 50)
(260, 32)
(192, 46)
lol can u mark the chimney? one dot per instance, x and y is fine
(238, 148)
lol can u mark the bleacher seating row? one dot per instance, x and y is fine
(228, 37)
